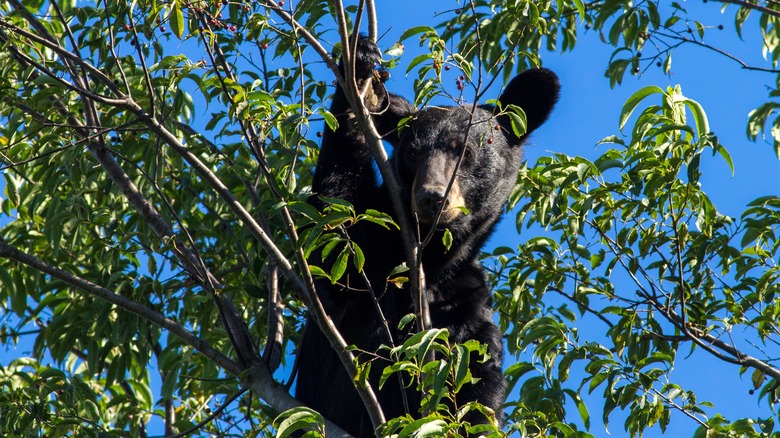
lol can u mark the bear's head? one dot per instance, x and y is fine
(431, 144)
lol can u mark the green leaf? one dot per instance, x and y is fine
(461, 366)
(316, 271)
(633, 102)
(177, 20)
(330, 119)
(702, 125)
(11, 189)
(758, 378)
(580, 9)
(340, 266)
(398, 269)
(425, 427)
(379, 218)
(416, 30)
(409, 317)
(446, 239)
(299, 418)
(358, 258)
(517, 119)
(581, 407)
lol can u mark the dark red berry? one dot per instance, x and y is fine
(162, 28)
(127, 27)
(264, 46)
(447, 67)
(490, 140)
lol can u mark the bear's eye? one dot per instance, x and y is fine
(467, 153)
(411, 154)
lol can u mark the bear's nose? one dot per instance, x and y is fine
(429, 201)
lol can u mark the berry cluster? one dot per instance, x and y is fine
(460, 82)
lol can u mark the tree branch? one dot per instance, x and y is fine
(9, 252)
(706, 341)
(257, 378)
(753, 6)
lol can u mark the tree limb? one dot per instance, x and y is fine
(257, 378)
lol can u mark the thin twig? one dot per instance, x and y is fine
(753, 6)
(214, 414)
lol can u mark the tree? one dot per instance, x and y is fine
(149, 246)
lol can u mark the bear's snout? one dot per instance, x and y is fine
(429, 201)
(428, 197)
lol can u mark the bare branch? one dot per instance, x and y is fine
(753, 6)
(743, 64)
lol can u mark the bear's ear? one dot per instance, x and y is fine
(535, 91)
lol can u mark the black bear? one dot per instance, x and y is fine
(425, 153)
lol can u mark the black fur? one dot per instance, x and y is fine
(460, 297)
